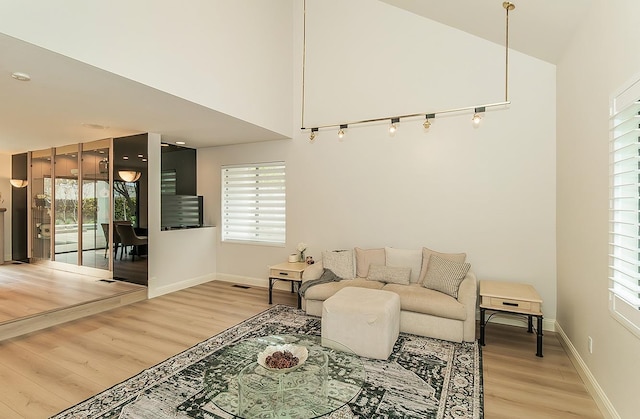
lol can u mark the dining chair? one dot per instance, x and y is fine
(128, 237)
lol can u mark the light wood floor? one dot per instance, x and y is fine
(50, 370)
(27, 290)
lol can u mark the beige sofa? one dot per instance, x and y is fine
(424, 311)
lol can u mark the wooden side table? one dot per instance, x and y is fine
(514, 298)
(287, 271)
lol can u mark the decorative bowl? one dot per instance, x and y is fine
(297, 351)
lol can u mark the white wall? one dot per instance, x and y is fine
(489, 192)
(602, 58)
(5, 201)
(177, 259)
(231, 56)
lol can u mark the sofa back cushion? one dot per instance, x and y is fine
(406, 258)
(366, 258)
(340, 262)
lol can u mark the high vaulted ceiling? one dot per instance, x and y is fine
(64, 94)
(539, 28)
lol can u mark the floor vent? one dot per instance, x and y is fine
(244, 287)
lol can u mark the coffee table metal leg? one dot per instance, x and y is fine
(539, 337)
(530, 324)
(482, 325)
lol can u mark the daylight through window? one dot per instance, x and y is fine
(253, 203)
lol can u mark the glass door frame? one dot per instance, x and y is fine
(78, 266)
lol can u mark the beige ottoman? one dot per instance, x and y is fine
(364, 320)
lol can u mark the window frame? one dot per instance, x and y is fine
(264, 183)
(624, 206)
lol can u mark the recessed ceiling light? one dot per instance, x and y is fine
(164, 145)
(93, 126)
(125, 157)
(21, 76)
(140, 155)
(144, 159)
(180, 142)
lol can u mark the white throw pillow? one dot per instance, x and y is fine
(390, 274)
(366, 258)
(340, 262)
(407, 258)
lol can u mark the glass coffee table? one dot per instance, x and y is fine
(237, 385)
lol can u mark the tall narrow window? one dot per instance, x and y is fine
(624, 208)
(253, 203)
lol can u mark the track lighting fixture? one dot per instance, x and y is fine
(393, 127)
(313, 134)
(427, 123)
(476, 116)
(341, 131)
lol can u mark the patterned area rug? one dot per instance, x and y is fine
(423, 378)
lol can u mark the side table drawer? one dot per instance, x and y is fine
(504, 303)
(284, 274)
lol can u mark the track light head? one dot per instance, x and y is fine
(476, 116)
(427, 122)
(312, 137)
(393, 127)
(341, 131)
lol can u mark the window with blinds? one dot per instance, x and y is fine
(624, 208)
(253, 203)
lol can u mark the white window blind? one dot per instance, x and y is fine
(624, 208)
(253, 203)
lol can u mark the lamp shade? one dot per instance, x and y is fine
(18, 183)
(129, 175)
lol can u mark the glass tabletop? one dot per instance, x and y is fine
(331, 376)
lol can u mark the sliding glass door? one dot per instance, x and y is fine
(95, 205)
(68, 229)
(40, 187)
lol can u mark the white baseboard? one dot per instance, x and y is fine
(599, 396)
(191, 282)
(253, 282)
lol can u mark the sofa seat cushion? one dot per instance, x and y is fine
(323, 291)
(418, 299)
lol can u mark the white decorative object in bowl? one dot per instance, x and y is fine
(297, 351)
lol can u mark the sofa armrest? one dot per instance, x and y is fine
(312, 272)
(468, 296)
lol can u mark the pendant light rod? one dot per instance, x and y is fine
(304, 54)
(412, 115)
(507, 7)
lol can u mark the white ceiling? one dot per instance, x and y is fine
(539, 28)
(64, 93)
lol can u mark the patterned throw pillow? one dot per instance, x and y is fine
(426, 254)
(445, 275)
(340, 262)
(390, 274)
